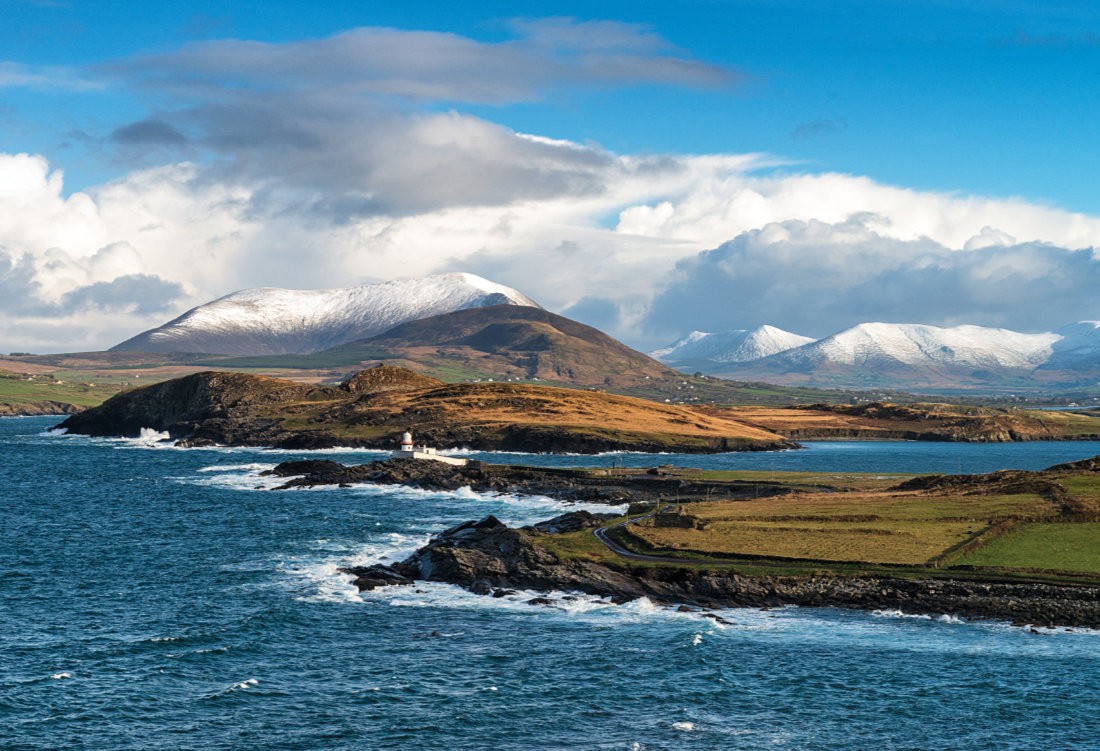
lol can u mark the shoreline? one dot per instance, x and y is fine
(487, 557)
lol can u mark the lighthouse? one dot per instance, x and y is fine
(408, 450)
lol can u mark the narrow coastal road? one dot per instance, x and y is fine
(619, 550)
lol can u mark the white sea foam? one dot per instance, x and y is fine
(245, 684)
(54, 432)
(895, 613)
(509, 507)
(697, 640)
(61, 676)
(319, 572)
(686, 727)
(252, 467)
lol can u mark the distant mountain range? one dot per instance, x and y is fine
(898, 355)
(461, 326)
(272, 321)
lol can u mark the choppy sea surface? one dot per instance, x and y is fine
(157, 598)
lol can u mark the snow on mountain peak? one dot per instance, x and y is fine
(920, 344)
(271, 320)
(738, 345)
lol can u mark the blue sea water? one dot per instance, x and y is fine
(156, 598)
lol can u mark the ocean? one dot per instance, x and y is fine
(159, 598)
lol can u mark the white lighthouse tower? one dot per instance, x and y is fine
(409, 450)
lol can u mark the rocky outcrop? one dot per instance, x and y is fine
(487, 556)
(210, 405)
(556, 482)
(39, 409)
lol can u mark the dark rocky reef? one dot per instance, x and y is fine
(488, 557)
(646, 486)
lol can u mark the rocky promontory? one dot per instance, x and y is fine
(563, 483)
(488, 557)
(372, 408)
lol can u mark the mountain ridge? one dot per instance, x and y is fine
(902, 355)
(275, 321)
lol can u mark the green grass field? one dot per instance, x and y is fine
(1046, 547)
(864, 528)
(74, 388)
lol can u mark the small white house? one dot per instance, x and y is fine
(410, 450)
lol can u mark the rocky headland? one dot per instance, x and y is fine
(491, 558)
(372, 408)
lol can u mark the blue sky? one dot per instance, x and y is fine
(994, 97)
(647, 167)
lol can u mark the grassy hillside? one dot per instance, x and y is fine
(49, 393)
(373, 408)
(1006, 525)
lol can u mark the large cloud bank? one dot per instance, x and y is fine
(321, 164)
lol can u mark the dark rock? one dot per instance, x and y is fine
(371, 577)
(574, 521)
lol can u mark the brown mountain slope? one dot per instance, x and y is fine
(373, 408)
(518, 342)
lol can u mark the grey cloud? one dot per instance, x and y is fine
(346, 161)
(18, 75)
(139, 293)
(148, 133)
(21, 292)
(427, 65)
(335, 128)
(816, 278)
(600, 312)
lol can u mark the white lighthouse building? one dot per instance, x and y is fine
(409, 450)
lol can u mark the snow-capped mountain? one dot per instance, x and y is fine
(878, 344)
(739, 345)
(906, 356)
(1078, 346)
(271, 321)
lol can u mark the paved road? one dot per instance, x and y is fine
(619, 550)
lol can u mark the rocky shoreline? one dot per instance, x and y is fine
(40, 409)
(563, 483)
(487, 557)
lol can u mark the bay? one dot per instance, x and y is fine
(156, 598)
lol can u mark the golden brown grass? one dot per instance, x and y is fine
(871, 527)
(893, 421)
